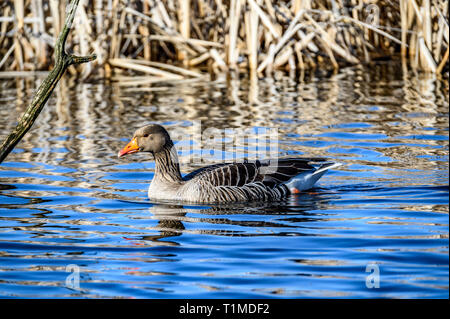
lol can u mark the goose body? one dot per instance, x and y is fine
(259, 180)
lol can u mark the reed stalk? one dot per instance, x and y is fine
(62, 62)
(185, 25)
(234, 34)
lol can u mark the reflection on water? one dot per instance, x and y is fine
(65, 198)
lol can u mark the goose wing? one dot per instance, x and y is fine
(269, 172)
(203, 170)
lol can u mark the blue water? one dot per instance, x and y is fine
(67, 202)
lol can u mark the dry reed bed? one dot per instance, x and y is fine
(178, 39)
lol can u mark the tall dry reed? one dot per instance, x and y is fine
(163, 39)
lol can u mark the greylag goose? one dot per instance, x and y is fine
(259, 180)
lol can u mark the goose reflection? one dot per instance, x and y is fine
(169, 223)
(245, 219)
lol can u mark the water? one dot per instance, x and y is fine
(69, 206)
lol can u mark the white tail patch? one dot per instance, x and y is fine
(306, 180)
(326, 167)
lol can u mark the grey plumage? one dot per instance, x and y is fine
(250, 180)
(259, 180)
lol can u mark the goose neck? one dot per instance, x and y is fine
(166, 165)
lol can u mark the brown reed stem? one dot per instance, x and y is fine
(243, 33)
(63, 61)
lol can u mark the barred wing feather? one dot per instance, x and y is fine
(268, 172)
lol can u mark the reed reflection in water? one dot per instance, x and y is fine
(65, 198)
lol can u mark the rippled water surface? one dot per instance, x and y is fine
(67, 202)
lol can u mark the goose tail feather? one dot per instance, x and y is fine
(306, 180)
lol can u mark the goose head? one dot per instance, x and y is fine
(151, 138)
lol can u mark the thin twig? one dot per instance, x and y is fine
(63, 61)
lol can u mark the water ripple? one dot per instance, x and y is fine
(65, 198)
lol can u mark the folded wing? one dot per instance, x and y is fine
(268, 172)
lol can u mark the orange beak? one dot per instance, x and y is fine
(130, 148)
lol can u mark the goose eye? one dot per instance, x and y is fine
(145, 135)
